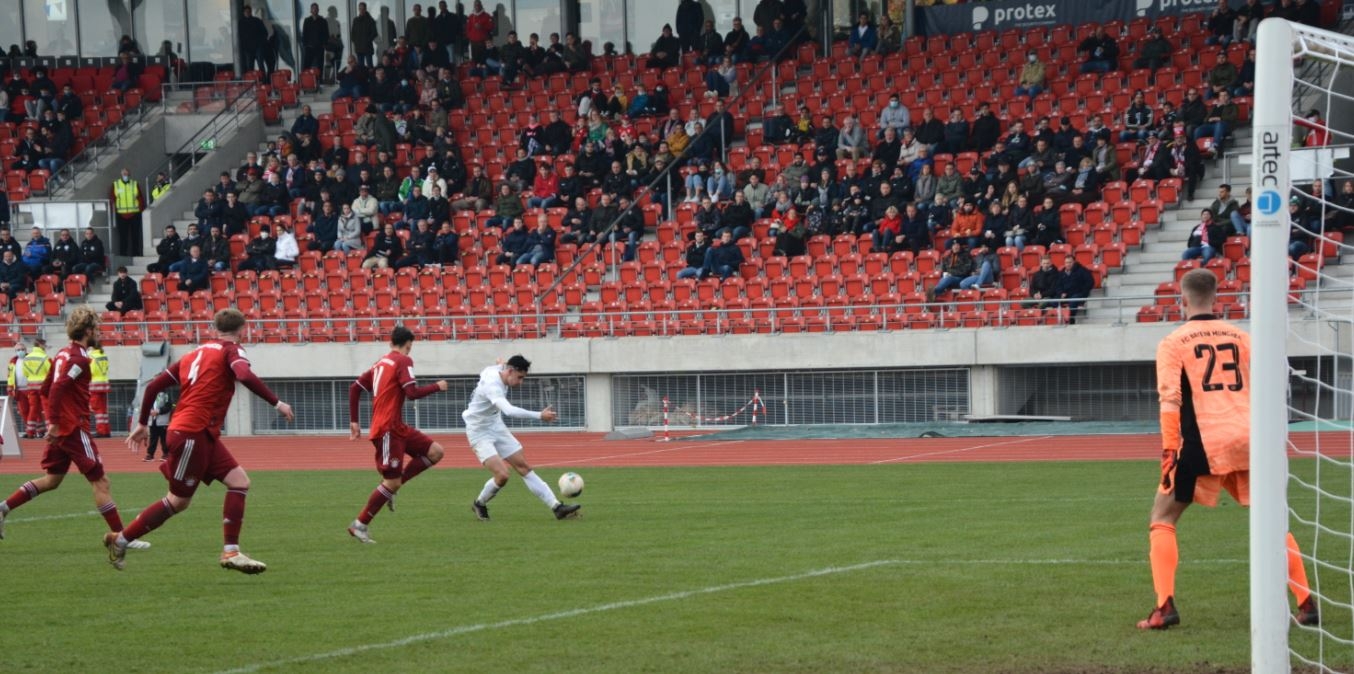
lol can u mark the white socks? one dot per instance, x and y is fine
(540, 489)
(490, 490)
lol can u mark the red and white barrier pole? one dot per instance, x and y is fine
(666, 436)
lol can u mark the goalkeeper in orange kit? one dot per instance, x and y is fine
(1203, 379)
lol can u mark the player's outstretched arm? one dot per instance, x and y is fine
(512, 410)
(548, 414)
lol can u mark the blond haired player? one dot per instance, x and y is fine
(1203, 379)
(66, 391)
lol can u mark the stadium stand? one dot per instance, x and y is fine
(833, 281)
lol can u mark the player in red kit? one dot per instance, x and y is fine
(206, 379)
(66, 392)
(390, 381)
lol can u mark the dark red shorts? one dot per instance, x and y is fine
(77, 448)
(392, 447)
(194, 459)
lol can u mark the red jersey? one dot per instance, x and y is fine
(206, 379)
(66, 390)
(390, 381)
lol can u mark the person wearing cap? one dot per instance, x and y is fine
(434, 178)
(35, 366)
(364, 208)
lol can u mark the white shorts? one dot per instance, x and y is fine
(493, 442)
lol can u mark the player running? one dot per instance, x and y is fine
(390, 381)
(66, 392)
(206, 379)
(1203, 378)
(495, 447)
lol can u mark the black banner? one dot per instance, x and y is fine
(1021, 14)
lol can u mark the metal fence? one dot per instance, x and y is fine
(1093, 391)
(321, 405)
(805, 397)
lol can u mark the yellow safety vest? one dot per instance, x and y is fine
(10, 379)
(98, 367)
(125, 194)
(157, 190)
(35, 367)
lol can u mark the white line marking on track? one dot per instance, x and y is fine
(674, 448)
(675, 596)
(964, 449)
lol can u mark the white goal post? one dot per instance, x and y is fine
(1281, 92)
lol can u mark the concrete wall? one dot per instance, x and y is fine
(980, 350)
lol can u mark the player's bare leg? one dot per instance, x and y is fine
(541, 489)
(150, 519)
(25, 493)
(1165, 557)
(232, 518)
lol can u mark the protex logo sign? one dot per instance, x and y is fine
(1029, 14)
(1177, 6)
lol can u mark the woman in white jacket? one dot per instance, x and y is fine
(287, 249)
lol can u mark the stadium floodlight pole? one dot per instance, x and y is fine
(1271, 144)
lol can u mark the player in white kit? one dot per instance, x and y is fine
(495, 447)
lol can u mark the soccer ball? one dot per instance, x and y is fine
(570, 485)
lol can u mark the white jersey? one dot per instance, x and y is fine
(489, 403)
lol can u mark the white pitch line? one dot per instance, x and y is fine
(675, 596)
(964, 449)
(688, 445)
(44, 518)
(572, 613)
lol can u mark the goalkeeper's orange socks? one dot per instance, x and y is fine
(1165, 556)
(1297, 573)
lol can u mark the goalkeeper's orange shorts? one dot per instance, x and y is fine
(1185, 475)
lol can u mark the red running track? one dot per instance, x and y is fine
(589, 449)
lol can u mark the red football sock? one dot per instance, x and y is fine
(232, 515)
(379, 497)
(25, 493)
(416, 465)
(1297, 573)
(1165, 556)
(149, 520)
(109, 511)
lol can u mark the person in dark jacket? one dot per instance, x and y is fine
(540, 245)
(1044, 284)
(92, 259)
(385, 249)
(194, 274)
(234, 215)
(169, 250)
(695, 254)
(253, 41)
(1074, 286)
(578, 223)
(447, 246)
(723, 260)
(126, 294)
(314, 37)
(216, 248)
(690, 18)
(666, 51)
(208, 210)
(514, 243)
(260, 252)
(421, 248)
(13, 275)
(1207, 237)
(65, 254)
(324, 229)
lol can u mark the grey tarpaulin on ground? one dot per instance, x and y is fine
(1021, 14)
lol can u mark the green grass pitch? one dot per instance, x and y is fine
(1036, 567)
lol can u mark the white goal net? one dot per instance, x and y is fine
(1302, 363)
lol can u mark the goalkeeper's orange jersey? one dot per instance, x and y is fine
(1203, 371)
